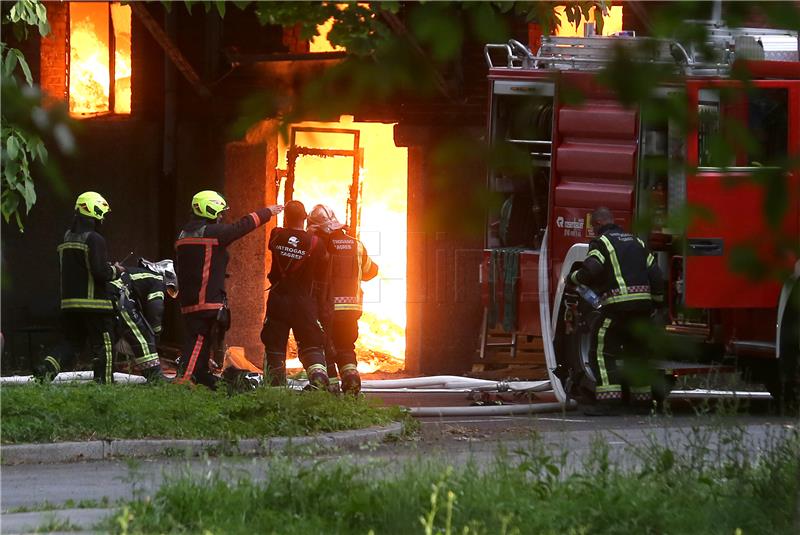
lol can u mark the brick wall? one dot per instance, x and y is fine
(54, 52)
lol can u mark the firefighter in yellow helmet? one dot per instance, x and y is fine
(201, 260)
(349, 265)
(86, 308)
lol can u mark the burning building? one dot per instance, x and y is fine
(155, 92)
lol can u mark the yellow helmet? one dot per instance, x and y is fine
(92, 204)
(208, 204)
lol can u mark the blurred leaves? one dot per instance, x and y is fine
(27, 126)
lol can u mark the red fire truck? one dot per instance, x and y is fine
(594, 151)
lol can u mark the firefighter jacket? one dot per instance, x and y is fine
(85, 269)
(201, 258)
(349, 265)
(299, 262)
(620, 269)
(149, 290)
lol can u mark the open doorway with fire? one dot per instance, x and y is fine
(357, 170)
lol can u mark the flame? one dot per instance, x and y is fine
(381, 344)
(612, 22)
(89, 70)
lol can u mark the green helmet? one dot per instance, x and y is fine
(92, 204)
(208, 204)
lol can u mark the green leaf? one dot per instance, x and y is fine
(29, 194)
(12, 147)
(220, 8)
(26, 70)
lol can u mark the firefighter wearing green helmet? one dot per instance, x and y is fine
(86, 308)
(201, 260)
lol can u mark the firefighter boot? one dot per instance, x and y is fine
(153, 374)
(274, 370)
(351, 380)
(47, 370)
(318, 377)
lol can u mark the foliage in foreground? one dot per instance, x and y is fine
(528, 492)
(50, 413)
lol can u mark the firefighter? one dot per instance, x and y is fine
(140, 294)
(132, 324)
(298, 261)
(629, 283)
(201, 260)
(349, 265)
(152, 282)
(87, 311)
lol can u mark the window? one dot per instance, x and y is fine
(99, 58)
(742, 130)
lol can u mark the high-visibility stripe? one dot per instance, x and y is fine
(197, 241)
(601, 361)
(317, 367)
(597, 255)
(612, 254)
(94, 304)
(627, 298)
(347, 306)
(574, 278)
(109, 357)
(145, 347)
(348, 368)
(150, 357)
(155, 295)
(54, 363)
(198, 345)
(157, 329)
(657, 298)
(89, 277)
(201, 306)
(139, 276)
(650, 259)
(255, 218)
(608, 388)
(72, 245)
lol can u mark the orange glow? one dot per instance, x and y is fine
(383, 207)
(89, 67)
(320, 42)
(612, 22)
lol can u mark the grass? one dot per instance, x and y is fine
(52, 413)
(529, 491)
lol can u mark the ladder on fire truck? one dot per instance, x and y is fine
(592, 53)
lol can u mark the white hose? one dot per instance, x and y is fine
(546, 326)
(492, 410)
(700, 393)
(73, 377)
(441, 381)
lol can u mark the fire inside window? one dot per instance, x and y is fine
(99, 58)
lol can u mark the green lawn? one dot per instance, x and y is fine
(524, 493)
(52, 413)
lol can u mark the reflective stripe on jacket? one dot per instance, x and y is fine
(620, 269)
(84, 268)
(349, 265)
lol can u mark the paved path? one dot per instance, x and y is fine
(453, 440)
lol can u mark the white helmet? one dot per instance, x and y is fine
(323, 219)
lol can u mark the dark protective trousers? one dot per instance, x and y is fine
(343, 334)
(202, 336)
(81, 329)
(134, 329)
(618, 358)
(298, 313)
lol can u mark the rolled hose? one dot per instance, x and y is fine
(74, 377)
